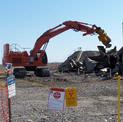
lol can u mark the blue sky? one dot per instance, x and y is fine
(23, 21)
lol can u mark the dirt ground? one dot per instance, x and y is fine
(97, 98)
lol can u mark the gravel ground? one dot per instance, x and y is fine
(97, 99)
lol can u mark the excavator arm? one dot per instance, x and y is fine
(77, 26)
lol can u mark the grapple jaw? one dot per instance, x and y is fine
(103, 37)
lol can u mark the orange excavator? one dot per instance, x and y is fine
(37, 59)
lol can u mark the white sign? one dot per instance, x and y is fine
(11, 90)
(11, 86)
(56, 99)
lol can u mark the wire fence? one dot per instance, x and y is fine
(4, 108)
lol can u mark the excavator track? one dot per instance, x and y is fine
(42, 72)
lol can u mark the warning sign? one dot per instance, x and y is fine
(71, 97)
(56, 99)
(11, 86)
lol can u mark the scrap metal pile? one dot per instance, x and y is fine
(96, 62)
(76, 61)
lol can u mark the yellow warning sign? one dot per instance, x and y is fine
(71, 97)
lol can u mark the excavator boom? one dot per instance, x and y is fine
(77, 26)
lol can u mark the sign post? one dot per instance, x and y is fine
(9, 104)
(11, 86)
(118, 92)
(118, 78)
